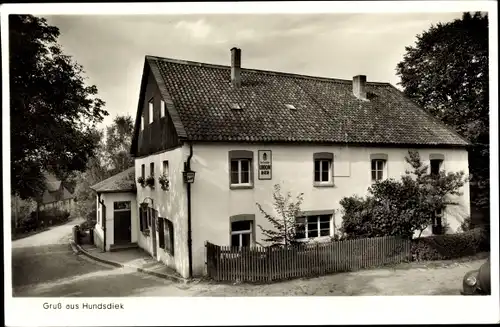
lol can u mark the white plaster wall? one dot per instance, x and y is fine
(292, 166)
(171, 204)
(109, 199)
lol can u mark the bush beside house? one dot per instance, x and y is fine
(451, 246)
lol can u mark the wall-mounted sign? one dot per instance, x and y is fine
(265, 164)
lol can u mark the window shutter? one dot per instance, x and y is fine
(171, 231)
(161, 233)
(141, 217)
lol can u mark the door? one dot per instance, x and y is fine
(122, 217)
(154, 223)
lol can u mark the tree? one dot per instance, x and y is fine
(401, 207)
(118, 143)
(53, 112)
(110, 157)
(284, 222)
(446, 73)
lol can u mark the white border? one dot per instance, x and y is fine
(289, 310)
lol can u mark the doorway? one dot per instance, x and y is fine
(122, 218)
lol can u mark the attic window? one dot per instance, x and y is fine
(290, 106)
(235, 106)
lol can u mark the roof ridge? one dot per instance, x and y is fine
(269, 72)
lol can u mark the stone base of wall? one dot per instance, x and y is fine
(98, 241)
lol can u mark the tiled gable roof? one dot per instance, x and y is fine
(121, 182)
(326, 109)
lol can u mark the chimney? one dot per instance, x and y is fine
(236, 67)
(359, 86)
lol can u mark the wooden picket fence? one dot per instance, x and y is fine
(265, 264)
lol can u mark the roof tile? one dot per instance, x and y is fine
(327, 110)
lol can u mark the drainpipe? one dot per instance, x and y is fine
(190, 241)
(101, 202)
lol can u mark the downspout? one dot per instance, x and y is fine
(101, 202)
(190, 240)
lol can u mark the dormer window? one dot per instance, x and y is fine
(290, 106)
(151, 107)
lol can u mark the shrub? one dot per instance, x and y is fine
(466, 224)
(449, 246)
(400, 207)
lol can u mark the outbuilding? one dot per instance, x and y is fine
(116, 226)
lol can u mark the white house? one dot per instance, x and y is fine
(116, 226)
(243, 130)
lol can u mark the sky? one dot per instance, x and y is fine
(112, 48)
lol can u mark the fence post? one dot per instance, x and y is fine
(268, 263)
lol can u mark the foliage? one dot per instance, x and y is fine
(449, 246)
(118, 142)
(107, 159)
(46, 218)
(20, 209)
(466, 224)
(150, 181)
(447, 73)
(399, 208)
(164, 182)
(284, 224)
(53, 112)
(141, 181)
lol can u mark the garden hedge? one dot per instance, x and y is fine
(450, 246)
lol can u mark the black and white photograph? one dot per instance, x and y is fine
(337, 152)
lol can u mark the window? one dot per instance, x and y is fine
(143, 171)
(378, 166)
(436, 163)
(122, 206)
(437, 223)
(323, 168)
(162, 108)
(240, 169)
(378, 169)
(241, 233)
(436, 166)
(313, 226)
(165, 167)
(149, 213)
(142, 123)
(151, 107)
(152, 169)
